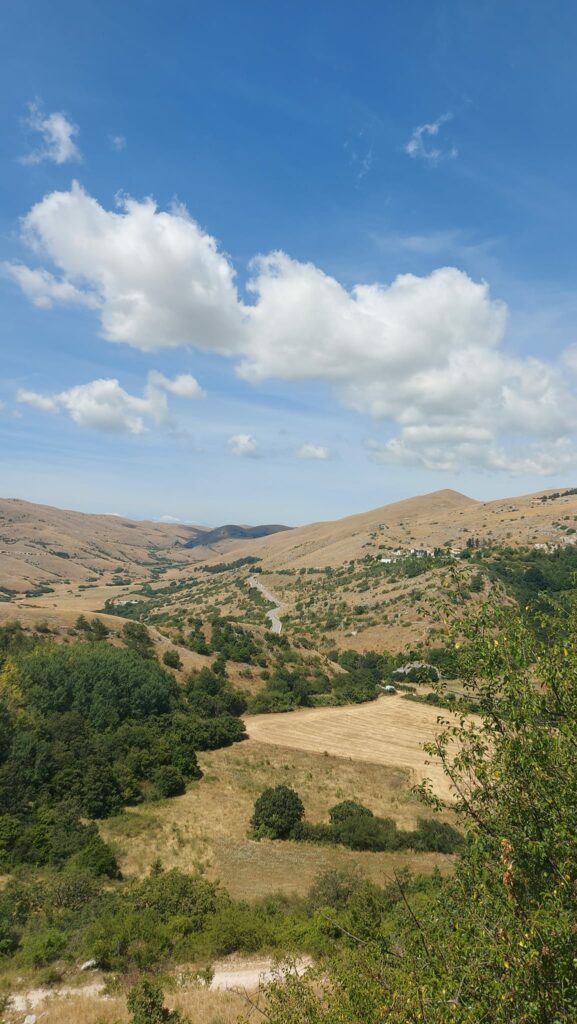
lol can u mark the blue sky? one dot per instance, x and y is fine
(318, 257)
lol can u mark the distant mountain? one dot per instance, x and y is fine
(232, 532)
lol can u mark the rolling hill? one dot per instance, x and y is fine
(324, 575)
(433, 520)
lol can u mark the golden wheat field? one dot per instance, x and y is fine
(389, 731)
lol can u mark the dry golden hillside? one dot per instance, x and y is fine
(43, 544)
(427, 521)
(70, 562)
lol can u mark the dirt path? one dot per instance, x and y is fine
(250, 974)
(276, 623)
(228, 975)
(23, 1002)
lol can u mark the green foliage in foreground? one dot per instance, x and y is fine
(496, 943)
(173, 918)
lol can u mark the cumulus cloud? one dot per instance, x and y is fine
(426, 355)
(183, 384)
(157, 278)
(105, 406)
(419, 146)
(57, 134)
(169, 519)
(243, 445)
(313, 451)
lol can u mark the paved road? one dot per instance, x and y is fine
(273, 614)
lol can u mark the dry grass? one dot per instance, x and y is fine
(389, 731)
(199, 1004)
(207, 828)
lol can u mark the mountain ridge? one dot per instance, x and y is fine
(44, 545)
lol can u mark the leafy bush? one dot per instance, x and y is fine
(138, 639)
(172, 659)
(146, 1003)
(354, 825)
(276, 812)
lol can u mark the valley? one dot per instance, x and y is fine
(304, 659)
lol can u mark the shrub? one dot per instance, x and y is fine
(172, 659)
(276, 812)
(333, 889)
(42, 947)
(348, 809)
(96, 858)
(138, 639)
(146, 1003)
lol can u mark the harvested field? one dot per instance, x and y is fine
(207, 828)
(389, 731)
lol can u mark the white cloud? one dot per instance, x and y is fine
(157, 278)
(169, 519)
(313, 451)
(105, 406)
(118, 142)
(43, 289)
(183, 385)
(44, 403)
(305, 324)
(243, 445)
(418, 146)
(57, 133)
(425, 354)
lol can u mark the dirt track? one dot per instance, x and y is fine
(228, 975)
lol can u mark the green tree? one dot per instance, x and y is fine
(276, 812)
(172, 659)
(137, 638)
(168, 781)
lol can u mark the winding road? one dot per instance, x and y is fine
(273, 615)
